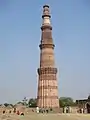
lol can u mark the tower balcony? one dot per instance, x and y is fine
(46, 26)
(46, 46)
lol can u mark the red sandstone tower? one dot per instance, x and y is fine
(47, 81)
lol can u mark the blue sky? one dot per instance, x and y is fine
(20, 22)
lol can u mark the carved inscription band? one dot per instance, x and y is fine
(48, 97)
(47, 70)
(47, 87)
(47, 79)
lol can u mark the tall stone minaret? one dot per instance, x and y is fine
(47, 79)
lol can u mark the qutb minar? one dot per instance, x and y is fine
(47, 96)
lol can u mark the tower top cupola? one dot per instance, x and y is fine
(46, 11)
(46, 15)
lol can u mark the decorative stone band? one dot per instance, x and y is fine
(47, 70)
(48, 79)
(46, 27)
(49, 97)
(48, 87)
(46, 15)
(46, 46)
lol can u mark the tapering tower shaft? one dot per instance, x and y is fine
(47, 81)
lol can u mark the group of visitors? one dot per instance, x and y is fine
(42, 110)
(83, 110)
(67, 109)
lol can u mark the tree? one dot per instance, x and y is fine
(66, 101)
(24, 101)
(11, 105)
(32, 102)
(20, 102)
(6, 104)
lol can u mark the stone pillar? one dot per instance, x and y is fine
(47, 73)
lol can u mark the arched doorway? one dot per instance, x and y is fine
(88, 107)
(88, 104)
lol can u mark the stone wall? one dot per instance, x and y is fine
(33, 110)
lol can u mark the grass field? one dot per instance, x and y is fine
(46, 117)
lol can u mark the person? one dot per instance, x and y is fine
(82, 110)
(66, 109)
(37, 109)
(18, 113)
(47, 110)
(14, 110)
